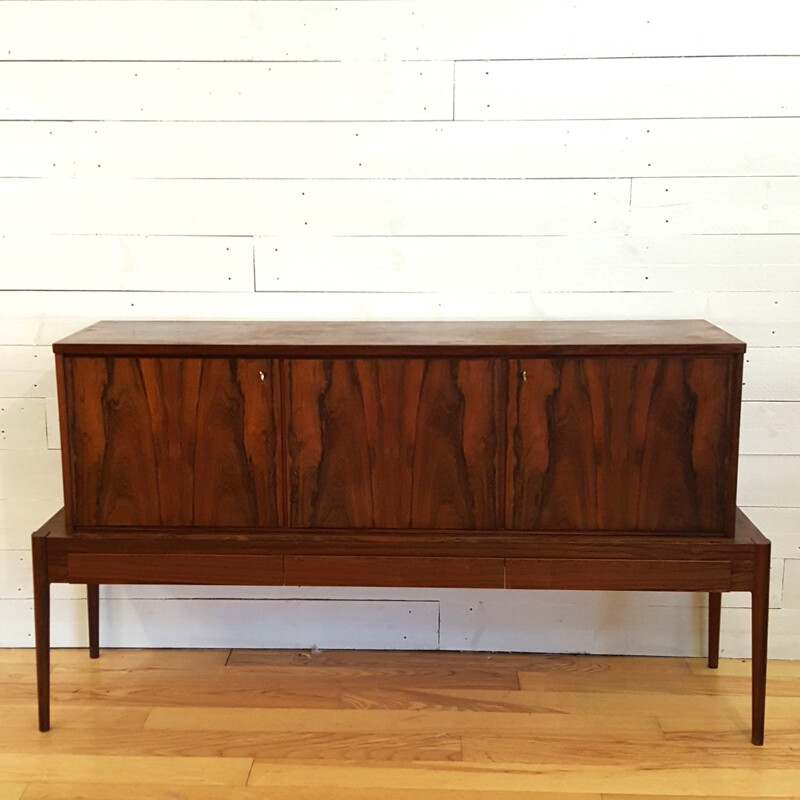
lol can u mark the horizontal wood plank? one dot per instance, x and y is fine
(20, 516)
(247, 207)
(378, 721)
(403, 149)
(31, 150)
(228, 745)
(114, 769)
(715, 205)
(29, 383)
(32, 474)
(79, 90)
(605, 264)
(770, 428)
(393, 30)
(22, 424)
(679, 755)
(757, 782)
(772, 374)
(625, 88)
(128, 263)
(769, 480)
(79, 790)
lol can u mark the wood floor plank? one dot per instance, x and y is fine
(577, 751)
(226, 744)
(619, 703)
(704, 730)
(17, 655)
(85, 791)
(22, 674)
(709, 683)
(137, 659)
(212, 687)
(20, 766)
(368, 721)
(11, 791)
(742, 667)
(23, 717)
(745, 782)
(179, 690)
(121, 658)
(690, 797)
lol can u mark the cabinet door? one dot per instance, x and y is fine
(392, 443)
(173, 442)
(620, 444)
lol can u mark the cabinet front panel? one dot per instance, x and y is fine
(619, 444)
(392, 443)
(173, 442)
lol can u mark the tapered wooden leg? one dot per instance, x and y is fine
(760, 618)
(714, 612)
(41, 613)
(93, 604)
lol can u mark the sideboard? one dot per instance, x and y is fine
(519, 455)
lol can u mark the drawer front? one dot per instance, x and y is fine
(399, 571)
(619, 574)
(183, 568)
(173, 442)
(392, 443)
(621, 444)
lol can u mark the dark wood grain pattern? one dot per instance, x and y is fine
(392, 443)
(619, 444)
(180, 442)
(732, 471)
(66, 449)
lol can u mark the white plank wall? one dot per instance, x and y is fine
(399, 159)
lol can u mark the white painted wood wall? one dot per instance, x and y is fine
(392, 159)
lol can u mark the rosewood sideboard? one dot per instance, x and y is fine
(519, 455)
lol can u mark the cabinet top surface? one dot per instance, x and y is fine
(585, 337)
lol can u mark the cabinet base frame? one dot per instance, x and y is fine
(576, 561)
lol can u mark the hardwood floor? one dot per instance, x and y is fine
(241, 725)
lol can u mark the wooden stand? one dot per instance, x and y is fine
(586, 455)
(681, 564)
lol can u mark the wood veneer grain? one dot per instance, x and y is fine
(181, 442)
(392, 443)
(623, 444)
